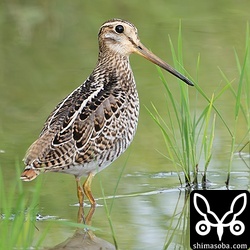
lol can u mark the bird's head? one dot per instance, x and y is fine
(121, 37)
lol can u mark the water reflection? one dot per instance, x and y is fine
(84, 238)
(177, 224)
(178, 233)
(244, 156)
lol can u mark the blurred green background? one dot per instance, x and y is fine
(48, 48)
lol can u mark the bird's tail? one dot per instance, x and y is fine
(29, 174)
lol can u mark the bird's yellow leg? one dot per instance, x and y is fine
(87, 189)
(80, 193)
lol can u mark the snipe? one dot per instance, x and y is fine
(94, 124)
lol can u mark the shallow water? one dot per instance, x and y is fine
(48, 48)
(151, 215)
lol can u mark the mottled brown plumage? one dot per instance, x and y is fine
(95, 124)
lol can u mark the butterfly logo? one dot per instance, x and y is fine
(203, 227)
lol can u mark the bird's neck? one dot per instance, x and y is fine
(115, 64)
(114, 72)
(110, 59)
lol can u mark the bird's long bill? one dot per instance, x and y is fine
(143, 51)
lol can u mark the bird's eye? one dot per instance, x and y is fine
(119, 28)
